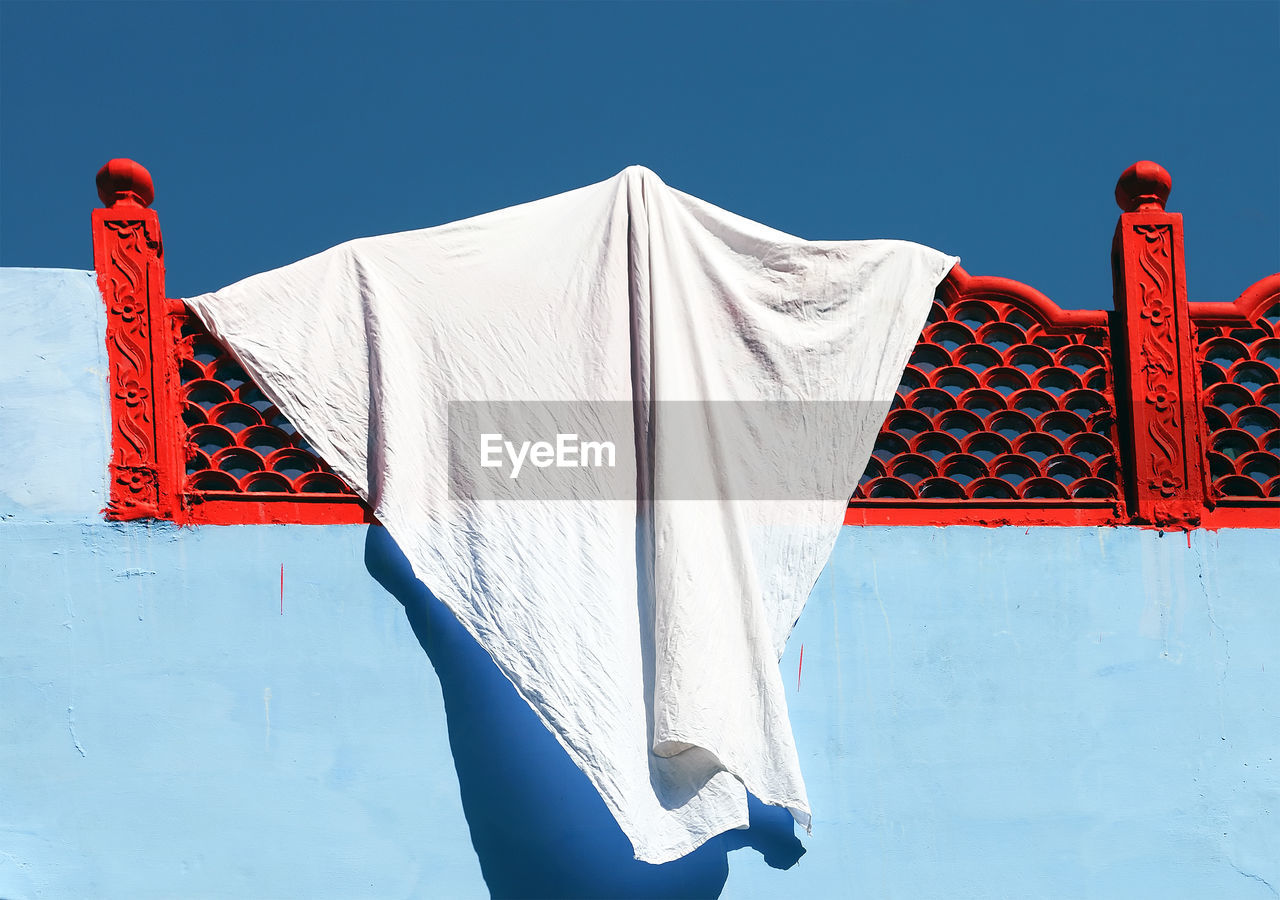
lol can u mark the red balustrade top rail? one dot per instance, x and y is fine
(1011, 410)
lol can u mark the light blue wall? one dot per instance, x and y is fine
(981, 713)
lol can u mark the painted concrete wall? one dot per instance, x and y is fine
(981, 712)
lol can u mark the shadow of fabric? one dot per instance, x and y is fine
(537, 825)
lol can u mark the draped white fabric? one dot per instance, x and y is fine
(644, 629)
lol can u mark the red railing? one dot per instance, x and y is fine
(1011, 411)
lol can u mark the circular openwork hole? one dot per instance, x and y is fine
(1010, 423)
(1005, 380)
(197, 462)
(1079, 359)
(1261, 467)
(1220, 466)
(937, 312)
(1051, 341)
(1028, 358)
(931, 401)
(1211, 374)
(1271, 442)
(1061, 424)
(192, 415)
(321, 483)
(1215, 418)
(992, 489)
(1097, 380)
(1267, 352)
(1105, 468)
(963, 468)
(873, 470)
(1257, 420)
(954, 380)
(273, 416)
(1252, 375)
(209, 439)
(889, 445)
(1032, 402)
(977, 357)
(292, 463)
(189, 371)
(1065, 469)
(1092, 489)
(1273, 489)
(236, 417)
(1037, 446)
(237, 461)
(206, 394)
(1233, 443)
(958, 423)
(908, 422)
(1272, 315)
(1088, 446)
(986, 445)
(1057, 381)
(1248, 335)
(1043, 489)
(950, 335)
(890, 489)
(205, 350)
(263, 439)
(249, 395)
(912, 379)
(211, 480)
(1223, 352)
(258, 482)
(927, 357)
(982, 402)
(1001, 336)
(973, 314)
(935, 445)
(1014, 469)
(1269, 397)
(940, 489)
(1084, 402)
(228, 371)
(912, 467)
(1019, 318)
(1239, 486)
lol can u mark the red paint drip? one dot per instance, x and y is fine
(1188, 538)
(282, 589)
(800, 669)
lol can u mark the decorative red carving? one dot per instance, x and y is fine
(1156, 376)
(128, 256)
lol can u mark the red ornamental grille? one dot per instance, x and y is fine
(236, 441)
(1240, 378)
(1011, 411)
(993, 406)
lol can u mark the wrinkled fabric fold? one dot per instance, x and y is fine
(752, 370)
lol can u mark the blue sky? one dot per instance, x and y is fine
(995, 132)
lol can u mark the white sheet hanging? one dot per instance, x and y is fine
(643, 628)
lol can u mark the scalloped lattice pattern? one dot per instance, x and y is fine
(1240, 377)
(236, 440)
(993, 407)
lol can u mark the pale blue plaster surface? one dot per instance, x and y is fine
(1057, 712)
(53, 396)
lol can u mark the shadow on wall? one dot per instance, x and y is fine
(537, 825)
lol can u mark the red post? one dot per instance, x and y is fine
(146, 460)
(1157, 381)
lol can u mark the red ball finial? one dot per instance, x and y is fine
(1143, 186)
(123, 182)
